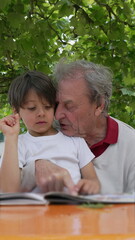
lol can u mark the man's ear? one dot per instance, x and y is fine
(100, 108)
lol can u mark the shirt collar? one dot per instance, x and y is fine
(112, 133)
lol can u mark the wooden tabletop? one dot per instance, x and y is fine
(67, 222)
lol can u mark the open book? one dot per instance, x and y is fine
(60, 197)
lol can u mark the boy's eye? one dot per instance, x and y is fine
(32, 108)
(48, 107)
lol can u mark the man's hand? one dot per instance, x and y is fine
(50, 177)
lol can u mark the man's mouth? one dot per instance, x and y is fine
(64, 126)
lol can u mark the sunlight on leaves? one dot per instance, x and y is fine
(129, 80)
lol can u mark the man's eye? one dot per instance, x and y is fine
(70, 108)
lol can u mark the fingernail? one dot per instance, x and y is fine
(74, 193)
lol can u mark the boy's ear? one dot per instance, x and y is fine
(14, 110)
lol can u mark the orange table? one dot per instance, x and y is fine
(72, 222)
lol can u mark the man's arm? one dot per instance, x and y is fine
(47, 176)
(130, 185)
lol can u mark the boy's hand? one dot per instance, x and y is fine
(10, 125)
(85, 186)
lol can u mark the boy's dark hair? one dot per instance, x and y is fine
(39, 82)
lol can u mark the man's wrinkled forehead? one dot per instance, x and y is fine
(64, 89)
(72, 75)
(72, 88)
(68, 82)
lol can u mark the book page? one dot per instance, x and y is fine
(22, 199)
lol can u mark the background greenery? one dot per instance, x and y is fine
(35, 34)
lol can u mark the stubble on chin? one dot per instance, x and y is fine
(78, 133)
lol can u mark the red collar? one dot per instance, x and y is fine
(112, 131)
(110, 138)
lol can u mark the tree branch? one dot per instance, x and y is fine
(110, 11)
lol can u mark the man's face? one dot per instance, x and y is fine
(74, 112)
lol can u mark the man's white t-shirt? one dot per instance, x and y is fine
(115, 167)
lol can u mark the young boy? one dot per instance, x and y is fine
(32, 98)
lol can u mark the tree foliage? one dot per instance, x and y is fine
(35, 34)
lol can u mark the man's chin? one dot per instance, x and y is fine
(72, 133)
(67, 132)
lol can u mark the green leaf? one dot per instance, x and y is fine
(127, 92)
(4, 3)
(9, 44)
(98, 14)
(27, 44)
(65, 10)
(36, 34)
(93, 205)
(15, 19)
(43, 68)
(88, 2)
(128, 80)
(116, 31)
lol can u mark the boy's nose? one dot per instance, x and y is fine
(41, 112)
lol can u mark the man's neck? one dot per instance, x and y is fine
(98, 133)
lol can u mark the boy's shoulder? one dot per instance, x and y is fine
(72, 138)
(23, 136)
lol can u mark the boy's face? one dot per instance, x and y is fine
(37, 115)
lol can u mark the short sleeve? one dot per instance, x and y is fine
(21, 152)
(84, 153)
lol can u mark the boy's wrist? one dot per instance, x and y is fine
(11, 137)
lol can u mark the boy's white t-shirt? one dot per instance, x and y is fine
(71, 153)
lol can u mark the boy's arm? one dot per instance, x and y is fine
(28, 178)
(89, 184)
(9, 171)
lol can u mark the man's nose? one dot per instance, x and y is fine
(59, 113)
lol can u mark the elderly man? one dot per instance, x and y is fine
(83, 94)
